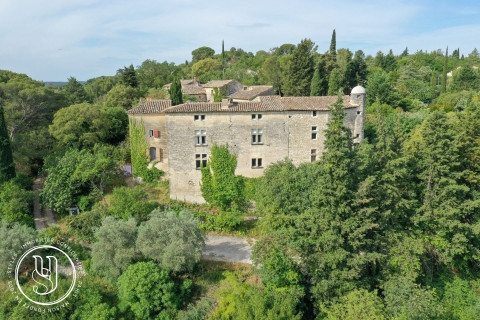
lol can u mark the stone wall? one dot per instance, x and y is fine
(156, 121)
(222, 128)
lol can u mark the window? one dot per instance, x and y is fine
(259, 116)
(256, 116)
(200, 160)
(200, 137)
(359, 112)
(156, 133)
(257, 136)
(257, 163)
(314, 132)
(198, 117)
(314, 114)
(202, 117)
(151, 133)
(313, 155)
(153, 153)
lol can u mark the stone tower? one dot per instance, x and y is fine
(358, 97)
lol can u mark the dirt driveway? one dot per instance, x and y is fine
(224, 248)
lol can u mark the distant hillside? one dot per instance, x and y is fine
(58, 83)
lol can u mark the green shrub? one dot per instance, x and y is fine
(16, 204)
(131, 203)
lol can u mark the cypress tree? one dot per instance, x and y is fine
(315, 89)
(7, 167)
(176, 92)
(332, 54)
(444, 73)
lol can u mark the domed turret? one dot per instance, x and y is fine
(359, 90)
(358, 97)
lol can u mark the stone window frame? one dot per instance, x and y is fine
(257, 163)
(314, 132)
(153, 153)
(313, 155)
(200, 160)
(257, 136)
(200, 137)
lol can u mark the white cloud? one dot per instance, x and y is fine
(56, 39)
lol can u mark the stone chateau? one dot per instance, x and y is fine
(260, 132)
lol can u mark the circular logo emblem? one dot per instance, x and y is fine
(43, 287)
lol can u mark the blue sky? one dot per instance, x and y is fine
(55, 39)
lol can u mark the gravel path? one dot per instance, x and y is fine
(230, 249)
(43, 217)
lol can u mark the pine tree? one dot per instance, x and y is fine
(335, 82)
(405, 52)
(7, 167)
(176, 92)
(128, 76)
(444, 73)
(356, 72)
(389, 62)
(75, 92)
(300, 71)
(319, 86)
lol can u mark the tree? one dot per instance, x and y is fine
(75, 92)
(202, 53)
(389, 62)
(80, 126)
(271, 73)
(150, 292)
(12, 238)
(300, 70)
(114, 249)
(444, 73)
(98, 169)
(380, 90)
(121, 96)
(153, 74)
(331, 55)
(16, 204)
(7, 167)
(404, 52)
(220, 186)
(356, 72)
(176, 92)
(60, 192)
(128, 76)
(319, 86)
(357, 305)
(205, 66)
(131, 203)
(465, 79)
(118, 120)
(335, 82)
(174, 241)
(97, 88)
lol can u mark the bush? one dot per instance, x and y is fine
(84, 225)
(150, 292)
(16, 204)
(173, 241)
(357, 305)
(225, 222)
(131, 203)
(114, 249)
(12, 237)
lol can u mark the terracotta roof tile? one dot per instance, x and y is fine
(216, 83)
(266, 103)
(152, 106)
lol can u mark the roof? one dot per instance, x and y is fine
(188, 87)
(358, 90)
(265, 103)
(152, 106)
(217, 83)
(251, 93)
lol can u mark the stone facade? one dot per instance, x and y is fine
(288, 128)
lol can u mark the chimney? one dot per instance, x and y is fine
(149, 99)
(226, 103)
(195, 80)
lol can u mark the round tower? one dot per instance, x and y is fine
(358, 97)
